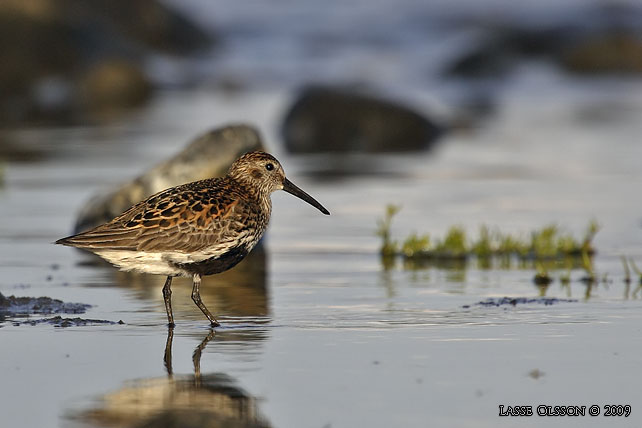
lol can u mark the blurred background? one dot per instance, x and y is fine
(456, 63)
(512, 114)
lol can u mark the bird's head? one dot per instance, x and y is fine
(264, 172)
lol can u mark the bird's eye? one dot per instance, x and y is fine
(269, 167)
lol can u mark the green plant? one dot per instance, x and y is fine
(566, 245)
(587, 265)
(591, 231)
(454, 243)
(388, 246)
(484, 247)
(509, 244)
(543, 242)
(415, 245)
(547, 249)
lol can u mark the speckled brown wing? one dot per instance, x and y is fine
(186, 218)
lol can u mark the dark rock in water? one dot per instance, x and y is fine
(326, 119)
(13, 305)
(485, 60)
(45, 40)
(59, 321)
(112, 85)
(151, 24)
(209, 155)
(590, 40)
(503, 47)
(123, 26)
(607, 53)
(514, 301)
(31, 49)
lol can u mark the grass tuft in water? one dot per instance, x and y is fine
(389, 247)
(545, 249)
(415, 245)
(453, 246)
(587, 265)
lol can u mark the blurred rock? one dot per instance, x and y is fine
(13, 149)
(129, 25)
(501, 47)
(147, 23)
(608, 53)
(35, 9)
(485, 60)
(590, 40)
(324, 119)
(62, 39)
(31, 49)
(209, 155)
(112, 85)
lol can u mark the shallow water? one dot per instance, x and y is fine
(326, 336)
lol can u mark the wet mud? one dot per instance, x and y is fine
(22, 306)
(18, 310)
(514, 301)
(59, 321)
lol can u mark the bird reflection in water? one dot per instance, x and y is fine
(199, 400)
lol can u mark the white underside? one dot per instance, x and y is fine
(152, 262)
(164, 262)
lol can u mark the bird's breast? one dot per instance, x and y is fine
(214, 264)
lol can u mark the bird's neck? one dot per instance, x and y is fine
(257, 194)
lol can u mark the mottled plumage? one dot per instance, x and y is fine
(195, 229)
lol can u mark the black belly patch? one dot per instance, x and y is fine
(215, 265)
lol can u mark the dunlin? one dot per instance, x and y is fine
(200, 228)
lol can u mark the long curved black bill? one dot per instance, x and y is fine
(289, 187)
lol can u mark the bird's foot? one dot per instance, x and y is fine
(214, 323)
(171, 325)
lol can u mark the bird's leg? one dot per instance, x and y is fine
(196, 357)
(196, 297)
(167, 295)
(167, 358)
